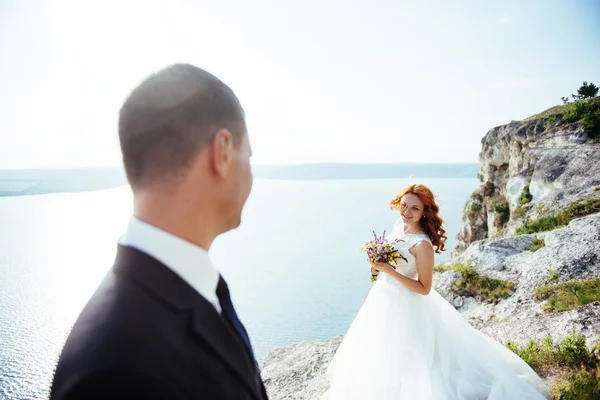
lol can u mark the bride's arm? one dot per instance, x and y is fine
(423, 253)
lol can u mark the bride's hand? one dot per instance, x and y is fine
(374, 271)
(380, 266)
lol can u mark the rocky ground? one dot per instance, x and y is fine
(573, 251)
(298, 371)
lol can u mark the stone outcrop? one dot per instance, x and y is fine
(556, 162)
(298, 371)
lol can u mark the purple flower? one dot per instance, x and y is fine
(381, 250)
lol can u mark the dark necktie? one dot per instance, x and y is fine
(230, 314)
(233, 320)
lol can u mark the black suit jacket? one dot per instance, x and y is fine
(147, 334)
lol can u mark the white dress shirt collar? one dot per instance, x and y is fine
(187, 260)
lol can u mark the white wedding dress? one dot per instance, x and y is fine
(406, 346)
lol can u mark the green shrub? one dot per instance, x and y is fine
(526, 196)
(537, 244)
(568, 295)
(588, 113)
(503, 213)
(578, 366)
(583, 385)
(475, 207)
(577, 111)
(591, 122)
(571, 352)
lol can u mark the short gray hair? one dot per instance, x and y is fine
(170, 117)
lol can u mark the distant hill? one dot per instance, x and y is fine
(42, 181)
(365, 171)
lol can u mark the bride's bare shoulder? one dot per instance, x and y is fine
(421, 248)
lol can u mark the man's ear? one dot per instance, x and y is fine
(222, 152)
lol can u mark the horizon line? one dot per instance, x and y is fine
(252, 164)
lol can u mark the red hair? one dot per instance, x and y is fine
(432, 222)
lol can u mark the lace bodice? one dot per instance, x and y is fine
(409, 268)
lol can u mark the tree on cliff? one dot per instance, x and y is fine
(586, 91)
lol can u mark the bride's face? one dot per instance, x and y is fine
(412, 208)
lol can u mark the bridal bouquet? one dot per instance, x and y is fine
(380, 250)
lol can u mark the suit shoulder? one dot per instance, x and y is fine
(117, 323)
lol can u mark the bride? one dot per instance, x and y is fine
(408, 343)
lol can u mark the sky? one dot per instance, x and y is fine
(383, 81)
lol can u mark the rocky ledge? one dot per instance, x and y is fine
(529, 169)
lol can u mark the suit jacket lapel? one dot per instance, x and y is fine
(210, 327)
(206, 323)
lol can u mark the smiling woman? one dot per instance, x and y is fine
(420, 212)
(419, 346)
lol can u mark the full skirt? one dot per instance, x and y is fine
(406, 346)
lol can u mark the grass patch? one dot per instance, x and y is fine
(558, 220)
(597, 188)
(550, 121)
(475, 207)
(521, 211)
(553, 276)
(544, 224)
(503, 214)
(441, 268)
(571, 352)
(587, 112)
(578, 366)
(568, 295)
(537, 244)
(472, 284)
(552, 111)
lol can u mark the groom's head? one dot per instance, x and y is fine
(183, 134)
